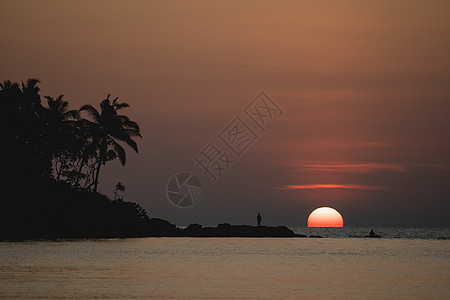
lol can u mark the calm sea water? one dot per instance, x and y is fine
(417, 265)
(389, 233)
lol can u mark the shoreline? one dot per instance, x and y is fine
(160, 228)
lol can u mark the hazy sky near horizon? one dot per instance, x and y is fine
(365, 87)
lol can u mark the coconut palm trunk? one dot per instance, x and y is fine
(97, 174)
(101, 161)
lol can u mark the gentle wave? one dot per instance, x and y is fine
(390, 233)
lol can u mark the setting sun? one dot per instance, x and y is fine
(325, 217)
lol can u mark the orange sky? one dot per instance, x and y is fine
(364, 86)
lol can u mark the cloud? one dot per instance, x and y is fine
(348, 167)
(331, 186)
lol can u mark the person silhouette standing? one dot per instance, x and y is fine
(259, 219)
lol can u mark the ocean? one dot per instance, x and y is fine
(404, 264)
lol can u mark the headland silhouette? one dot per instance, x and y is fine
(54, 157)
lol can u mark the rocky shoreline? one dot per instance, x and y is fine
(156, 227)
(163, 228)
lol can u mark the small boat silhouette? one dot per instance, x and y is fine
(372, 234)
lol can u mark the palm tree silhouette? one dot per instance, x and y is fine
(63, 132)
(61, 121)
(31, 98)
(107, 129)
(119, 188)
(8, 84)
(58, 109)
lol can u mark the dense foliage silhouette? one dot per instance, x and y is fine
(52, 166)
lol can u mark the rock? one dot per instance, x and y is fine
(227, 230)
(192, 230)
(160, 227)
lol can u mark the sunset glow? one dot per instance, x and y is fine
(175, 149)
(350, 167)
(331, 186)
(325, 217)
(363, 86)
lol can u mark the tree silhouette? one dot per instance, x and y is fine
(27, 134)
(107, 129)
(52, 161)
(119, 188)
(58, 110)
(64, 137)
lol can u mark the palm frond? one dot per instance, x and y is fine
(93, 112)
(8, 85)
(72, 114)
(5, 84)
(130, 125)
(121, 105)
(130, 142)
(31, 85)
(119, 151)
(123, 137)
(133, 132)
(123, 118)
